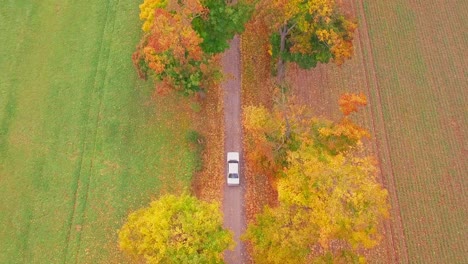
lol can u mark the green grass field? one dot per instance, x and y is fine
(81, 143)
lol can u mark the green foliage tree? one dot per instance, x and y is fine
(222, 22)
(176, 230)
(307, 32)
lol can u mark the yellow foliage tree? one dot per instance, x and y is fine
(176, 229)
(341, 191)
(330, 202)
(330, 205)
(147, 9)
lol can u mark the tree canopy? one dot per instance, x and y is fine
(329, 205)
(181, 37)
(307, 32)
(330, 202)
(176, 229)
(221, 23)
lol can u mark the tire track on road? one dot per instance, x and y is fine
(233, 196)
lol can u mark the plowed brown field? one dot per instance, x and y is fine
(410, 62)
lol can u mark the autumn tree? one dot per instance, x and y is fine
(170, 51)
(176, 229)
(180, 39)
(307, 32)
(329, 205)
(330, 202)
(265, 139)
(269, 135)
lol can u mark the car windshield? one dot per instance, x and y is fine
(233, 176)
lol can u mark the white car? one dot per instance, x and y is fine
(233, 168)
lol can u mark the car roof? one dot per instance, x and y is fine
(233, 167)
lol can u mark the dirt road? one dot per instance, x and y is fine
(233, 200)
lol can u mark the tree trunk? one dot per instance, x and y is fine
(284, 30)
(281, 64)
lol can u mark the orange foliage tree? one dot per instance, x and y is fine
(350, 102)
(269, 135)
(170, 51)
(180, 39)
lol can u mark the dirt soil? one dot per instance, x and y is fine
(233, 200)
